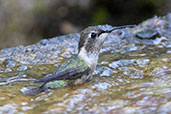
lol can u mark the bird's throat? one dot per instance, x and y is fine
(89, 57)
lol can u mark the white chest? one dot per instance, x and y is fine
(90, 59)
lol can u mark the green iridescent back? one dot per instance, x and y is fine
(75, 62)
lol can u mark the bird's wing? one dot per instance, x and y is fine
(71, 69)
(69, 74)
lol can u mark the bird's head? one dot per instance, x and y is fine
(92, 38)
(91, 41)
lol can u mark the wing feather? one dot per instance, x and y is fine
(69, 74)
(71, 69)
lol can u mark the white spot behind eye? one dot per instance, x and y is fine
(89, 35)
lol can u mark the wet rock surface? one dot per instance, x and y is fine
(133, 74)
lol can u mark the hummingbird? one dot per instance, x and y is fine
(80, 68)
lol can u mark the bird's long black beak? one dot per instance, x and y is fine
(120, 27)
(116, 28)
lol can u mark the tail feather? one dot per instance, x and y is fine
(33, 91)
(44, 79)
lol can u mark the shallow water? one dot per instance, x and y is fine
(132, 76)
(138, 82)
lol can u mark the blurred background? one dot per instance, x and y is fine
(24, 22)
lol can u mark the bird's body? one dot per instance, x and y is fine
(79, 68)
(72, 69)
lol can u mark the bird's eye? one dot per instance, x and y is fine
(93, 35)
